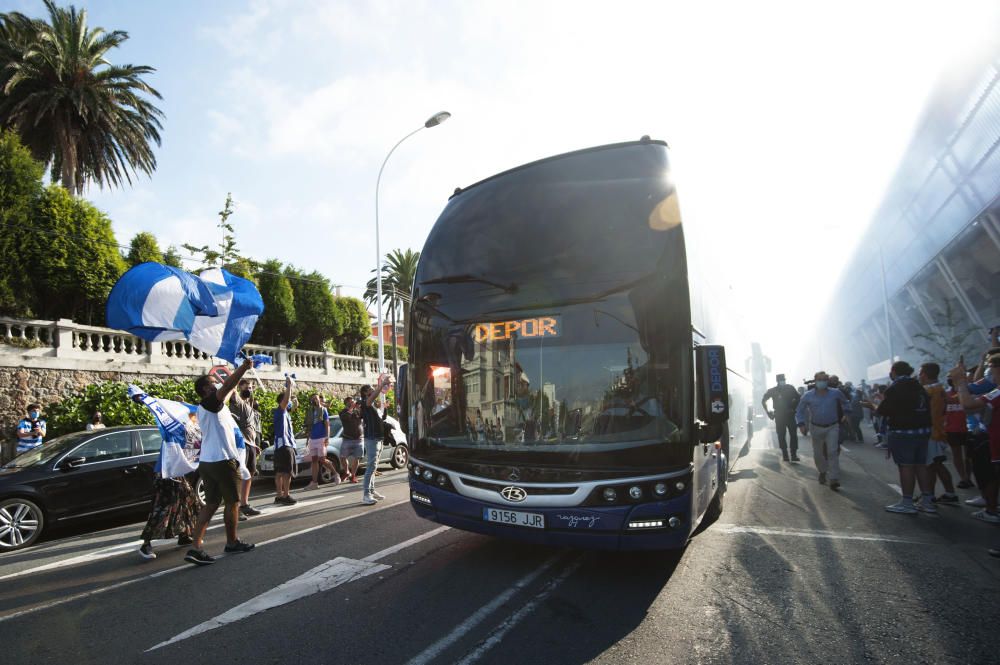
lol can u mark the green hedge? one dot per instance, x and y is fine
(110, 398)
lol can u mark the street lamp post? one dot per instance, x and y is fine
(433, 121)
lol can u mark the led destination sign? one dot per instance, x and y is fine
(546, 326)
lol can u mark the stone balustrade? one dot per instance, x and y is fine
(65, 345)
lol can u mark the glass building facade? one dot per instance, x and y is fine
(937, 234)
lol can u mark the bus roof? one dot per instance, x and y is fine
(610, 146)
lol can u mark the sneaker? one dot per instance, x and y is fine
(238, 547)
(311, 486)
(368, 500)
(241, 517)
(978, 502)
(377, 496)
(987, 516)
(835, 485)
(964, 485)
(822, 479)
(946, 498)
(198, 558)
(927, 507)
(184, 540)
(903, 507)
(248, 510)
(993, 552)
(146, 552)
(881, 446)
(795, 458)
(784, 456)
(285, 501)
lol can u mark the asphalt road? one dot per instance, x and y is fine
(792, 573)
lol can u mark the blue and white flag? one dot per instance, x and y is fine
(215, 311)
(173, 421)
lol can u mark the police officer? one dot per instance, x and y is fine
(786, 400)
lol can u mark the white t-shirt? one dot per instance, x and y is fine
(218, 439)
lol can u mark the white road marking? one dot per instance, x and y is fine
(480, 615)
(845, 449)
(896, 488)
(807, 533)
(323, 577)
(187, 566)
(510, 622)
(133, 545)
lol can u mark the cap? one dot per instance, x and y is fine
(780, 377)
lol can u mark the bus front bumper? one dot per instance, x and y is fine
(645, 526)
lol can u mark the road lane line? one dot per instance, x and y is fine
(896, 488)
(510, 622)
(133, 545)
(323, 577)
(480, 615)
(808, 533)
(187, 566)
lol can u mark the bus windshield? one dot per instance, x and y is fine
(551, 312)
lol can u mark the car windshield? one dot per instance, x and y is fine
(48, 451)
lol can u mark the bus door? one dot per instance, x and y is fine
(712, 414)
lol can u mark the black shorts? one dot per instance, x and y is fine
(221, 481)
(957, 438)
(283, 459)
(983, 469)
(252, 459)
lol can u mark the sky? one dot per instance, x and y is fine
(786, 121)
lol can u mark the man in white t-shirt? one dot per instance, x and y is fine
(221, 465)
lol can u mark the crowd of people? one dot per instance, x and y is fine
(928, 423)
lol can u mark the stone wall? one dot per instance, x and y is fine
(48, 361)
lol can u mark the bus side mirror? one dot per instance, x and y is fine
(402, 401)
(713, 384)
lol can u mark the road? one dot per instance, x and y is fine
(792, 573)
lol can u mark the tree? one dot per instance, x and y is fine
(947, 339)
(228, 255)
(317, 317)
(357, 325)
(172, 257)
(143, 248)
(20, 186)
(277, 325)
(73, 109)
(398, 272)
(72, 258)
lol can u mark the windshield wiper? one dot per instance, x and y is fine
(464, 279)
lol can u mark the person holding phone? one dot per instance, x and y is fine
(986, 460)
(31, 429)
(352, 446)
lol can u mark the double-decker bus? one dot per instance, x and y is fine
(564, 385)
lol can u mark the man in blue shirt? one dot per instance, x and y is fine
(284, 446)
(823, 408)
(31, 430)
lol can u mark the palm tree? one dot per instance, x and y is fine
(75, 111)
(398, 273)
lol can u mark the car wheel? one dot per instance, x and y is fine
(326, 474)
(199, 490)
(400, 456)
(21, 523)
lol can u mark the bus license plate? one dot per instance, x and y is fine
(514, 517)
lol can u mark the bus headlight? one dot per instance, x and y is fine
(680, 485)
(660, 489)
(635, 492)
(609, 494)
(442, 479)
(428, 475)
(417, 471)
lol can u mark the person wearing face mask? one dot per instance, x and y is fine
(96, 422)
(785, 399)
(247, 418)
(986, 460)
(31, 430)
(820, 413)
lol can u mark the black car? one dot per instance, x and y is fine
(74, 477)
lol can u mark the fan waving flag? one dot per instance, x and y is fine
(174, 422)
(215, 311)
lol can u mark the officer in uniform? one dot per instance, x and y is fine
(786, 400)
